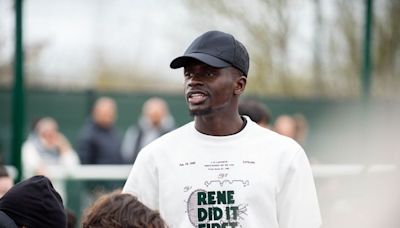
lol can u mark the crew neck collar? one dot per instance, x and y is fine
(234, 136)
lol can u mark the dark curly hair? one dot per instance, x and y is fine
(117, 210)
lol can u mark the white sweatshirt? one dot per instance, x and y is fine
(253, 179)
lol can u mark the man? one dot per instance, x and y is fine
(98, 141)
(154, 122)
(223, 170)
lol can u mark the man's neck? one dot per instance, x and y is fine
(219, 125)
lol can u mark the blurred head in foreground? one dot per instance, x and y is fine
(32, 203)
(116, 210)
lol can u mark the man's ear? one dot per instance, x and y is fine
(240, 85)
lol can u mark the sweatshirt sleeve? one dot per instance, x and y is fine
(142, 181)
(297, 199)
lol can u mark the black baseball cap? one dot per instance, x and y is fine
(217, 49)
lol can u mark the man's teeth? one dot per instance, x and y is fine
(196, 95)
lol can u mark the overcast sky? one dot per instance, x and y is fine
(147, 33)
(124, 31)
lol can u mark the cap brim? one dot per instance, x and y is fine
(205, 58)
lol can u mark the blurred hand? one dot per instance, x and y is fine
(62, 143)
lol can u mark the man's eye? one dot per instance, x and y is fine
(210, 74)
(187, 74)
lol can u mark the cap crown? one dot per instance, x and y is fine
(223, 46)
(217, 49)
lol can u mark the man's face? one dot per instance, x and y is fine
(155, 110)
(209, 90)
(105, 113)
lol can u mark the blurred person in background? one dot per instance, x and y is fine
(154, 122)
(257, 111)
(46, 146)
(285, 125)
(98, 141)
(6, 182)
(301, 128)
(116, 210)
(294, 127)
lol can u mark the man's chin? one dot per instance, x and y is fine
(200, 112)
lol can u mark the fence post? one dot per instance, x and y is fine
(18, 98)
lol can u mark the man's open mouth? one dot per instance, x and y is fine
(196, 97)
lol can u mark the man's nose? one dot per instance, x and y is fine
(195, 79)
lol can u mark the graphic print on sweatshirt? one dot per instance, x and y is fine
(215, 203)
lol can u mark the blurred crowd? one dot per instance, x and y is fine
(99, 143)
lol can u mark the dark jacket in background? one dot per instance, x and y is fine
(97, 145)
